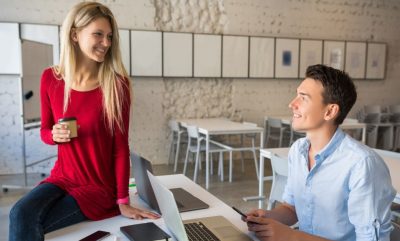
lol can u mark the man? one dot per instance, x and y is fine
(337, 188)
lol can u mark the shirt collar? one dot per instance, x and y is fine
(327, 150)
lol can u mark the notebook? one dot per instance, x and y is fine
(145, 232)
(212, 228)
(184, 200)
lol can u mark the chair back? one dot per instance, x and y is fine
(274, 123)
(279, 180)
(394, 109)
(193, 132)
(372, 109)
(174, 125)
(279, 165)
(395, 234)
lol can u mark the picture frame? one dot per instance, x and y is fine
(376, 61)
(177, 54)
(355, 62)
(146, 53)
(235, 55)
(207, 55)
(334, 54)
(310, 54)
(287, 58)
(262, 55)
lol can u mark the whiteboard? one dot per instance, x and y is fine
(207, 55)
(146, 52)
(125, 49)
(10, 49)
(235, 56)
(262, 52)
(177, 54)
(48, 34)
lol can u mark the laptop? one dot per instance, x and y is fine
(207, 228)
(184, 200)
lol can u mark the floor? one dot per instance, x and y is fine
(243, 184)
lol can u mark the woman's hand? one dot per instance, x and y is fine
(61, 133)
(135, 213)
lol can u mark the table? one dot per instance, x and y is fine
(348, 124)
(392, 160)
(217, 207)
(220, 126)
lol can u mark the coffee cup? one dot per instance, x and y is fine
(72, 126)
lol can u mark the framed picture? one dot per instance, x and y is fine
(207, 55)
(125, 49)
(235, 55)
(10, 49)
(310, 54)
(334, 54)
(356, 55)
(261, 57)
(376, 60)
(177, 54)
(146, 52)
(287, 58)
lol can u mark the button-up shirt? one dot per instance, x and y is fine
(347, 193)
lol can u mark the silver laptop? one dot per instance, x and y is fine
(184, 200)
(208, 228)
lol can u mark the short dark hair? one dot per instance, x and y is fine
(338, 88)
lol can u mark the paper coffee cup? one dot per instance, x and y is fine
(72, 126)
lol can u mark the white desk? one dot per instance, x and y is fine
(392, 160)
(112, 225)
(348, 124)
(220, 126)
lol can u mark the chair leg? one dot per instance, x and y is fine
(177, 152)
(211, 164)
(230, 166)
(241, 157)
(255, 158)
(221, 166)
(186, 158)
(196, 165)
(171, 149)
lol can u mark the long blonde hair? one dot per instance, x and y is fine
(113, 78)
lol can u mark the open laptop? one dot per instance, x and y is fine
(210, 228)
(184, 200)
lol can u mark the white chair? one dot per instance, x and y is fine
(274, 132)
(196, 144)
(279, 179)
(178, 134)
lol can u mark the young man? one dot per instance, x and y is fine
(337, 188)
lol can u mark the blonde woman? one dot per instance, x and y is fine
(90, 177)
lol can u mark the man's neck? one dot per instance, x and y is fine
(318, 140)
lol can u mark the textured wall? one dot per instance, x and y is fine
(158, 99)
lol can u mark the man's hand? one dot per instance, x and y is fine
(268, 229)
(135, 213)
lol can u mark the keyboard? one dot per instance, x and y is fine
(199, 232)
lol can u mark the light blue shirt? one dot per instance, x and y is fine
(346, 195)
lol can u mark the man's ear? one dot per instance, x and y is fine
(332, 112)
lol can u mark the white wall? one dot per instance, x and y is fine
(158, 99)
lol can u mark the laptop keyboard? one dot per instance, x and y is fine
(198, 232)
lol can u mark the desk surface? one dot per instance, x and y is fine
(112, 225)
(392, 160)
(220, 126)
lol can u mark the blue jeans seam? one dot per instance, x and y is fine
(62, 219)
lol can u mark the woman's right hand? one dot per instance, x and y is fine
(60, 133)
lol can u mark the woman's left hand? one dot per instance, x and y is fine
(135, 213)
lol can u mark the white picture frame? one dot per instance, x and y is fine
(310, 54)
(235, 56)
(356, 56)
(146, 53)
(334, 54)
(262, 57)
(207, 55)
(177, 54)
(125, 49)
(287, 58)
(376, 60)
(10, 49)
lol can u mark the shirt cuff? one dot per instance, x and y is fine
(123, 200)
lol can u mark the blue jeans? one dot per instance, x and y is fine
(44, 209)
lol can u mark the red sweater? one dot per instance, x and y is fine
(94, 167)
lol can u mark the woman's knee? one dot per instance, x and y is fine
(21, 211)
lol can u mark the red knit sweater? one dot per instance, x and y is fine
(94, 167)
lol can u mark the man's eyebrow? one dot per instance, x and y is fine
(304, 94)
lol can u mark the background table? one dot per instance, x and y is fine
(220, 126)
(112, 225)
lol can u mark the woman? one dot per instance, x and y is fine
(90, 178)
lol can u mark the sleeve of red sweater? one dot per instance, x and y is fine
(47, 120)
(121, 149)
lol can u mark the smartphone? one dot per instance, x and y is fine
(98, 235)
(240, 212)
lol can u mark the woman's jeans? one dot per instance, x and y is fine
(44, 209)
